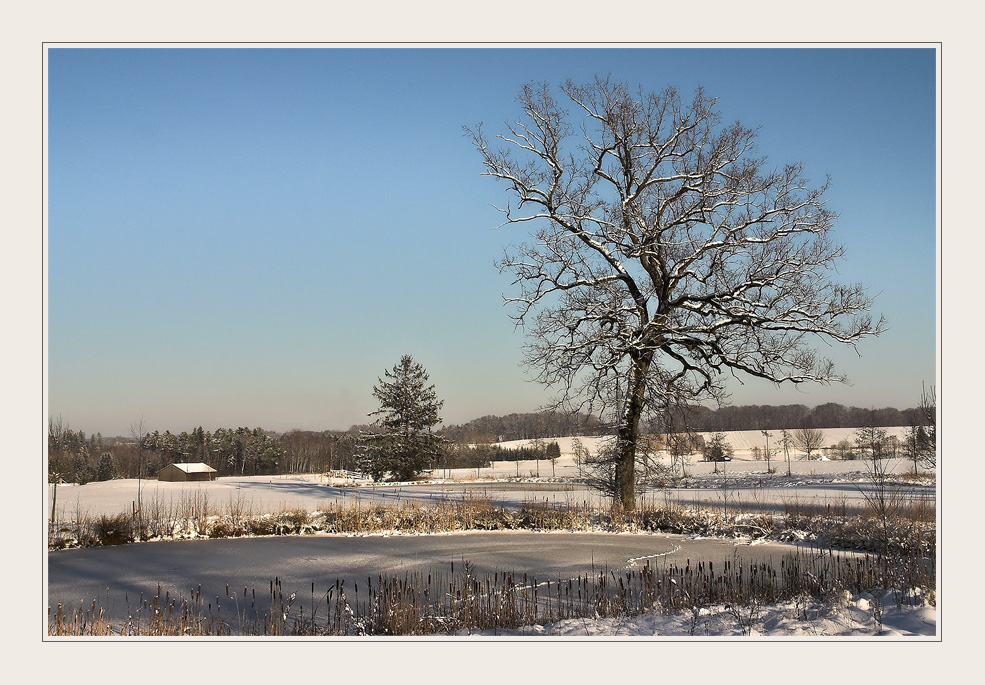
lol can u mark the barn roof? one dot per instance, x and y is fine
(196, 467)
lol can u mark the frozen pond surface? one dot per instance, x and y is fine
(118, 578)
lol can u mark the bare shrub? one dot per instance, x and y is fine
(261, 525)
(222, 527)
(114, 529)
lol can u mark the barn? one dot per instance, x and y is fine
(185, 472)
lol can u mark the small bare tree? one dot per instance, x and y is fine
(912, 446)
(786, 440)
(885, 497)
(809, 439)
(579, 452)
(539, 448)
(138, 431)
(844, 449)
(928, 411)
(872, 441)
(667, 255)
(768, 454)
(680, 446)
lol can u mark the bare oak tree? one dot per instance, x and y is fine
(666, 255)
(809, 439)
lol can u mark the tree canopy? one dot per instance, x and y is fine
(667, 255)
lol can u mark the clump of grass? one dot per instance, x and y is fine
(84, 620)
(838, 508)
(293, 522)
(224, 527)
(261, 525)
(918, 478)
(114, 529)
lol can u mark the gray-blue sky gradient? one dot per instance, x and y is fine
(249, 237)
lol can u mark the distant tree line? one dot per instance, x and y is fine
(791, 416)
(481, 455)
(545, 424)
(231, 452)
(553, 424)
(74, 456)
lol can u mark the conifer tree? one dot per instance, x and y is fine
(404, 444)
(106, 470)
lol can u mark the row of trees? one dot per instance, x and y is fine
(74, 457)
(403, 444)
(556, 424)
(240, 451)
(525, 426)
(790, 416)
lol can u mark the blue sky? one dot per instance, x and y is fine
(250, 237)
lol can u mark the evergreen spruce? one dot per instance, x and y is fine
(404, 445)
(84, 473)
(106, 470)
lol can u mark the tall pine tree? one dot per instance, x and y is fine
(404, 444)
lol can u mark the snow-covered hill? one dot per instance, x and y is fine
(742, 442)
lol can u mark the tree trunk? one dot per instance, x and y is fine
(629, 428)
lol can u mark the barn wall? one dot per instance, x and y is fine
(171, 474)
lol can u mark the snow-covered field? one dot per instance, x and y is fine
(851, 616)
(742, 443)
(818, 481)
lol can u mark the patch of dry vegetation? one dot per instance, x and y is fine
(909, 529)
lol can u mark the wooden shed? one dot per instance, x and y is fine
(185, 472)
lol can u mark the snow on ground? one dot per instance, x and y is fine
(530, 480)
(851, 616)
(742, 442)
